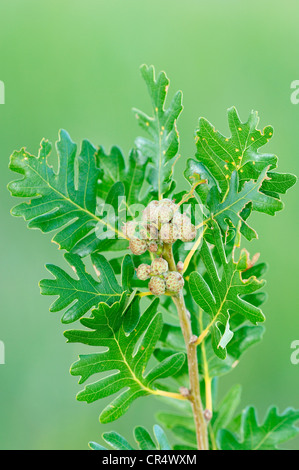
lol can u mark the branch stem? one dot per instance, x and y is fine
(194, 398)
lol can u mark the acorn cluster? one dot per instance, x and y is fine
(161, 224)
(161, 279)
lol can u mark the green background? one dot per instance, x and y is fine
(75, 64)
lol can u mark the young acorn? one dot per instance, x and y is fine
(174, 281)
(157, 286)
(143, 272)
(138, 247)
(165, 211)
(153, 247)
(159, 266)
(188, 233)
(150, 212)
(169, 233)
(159, 212)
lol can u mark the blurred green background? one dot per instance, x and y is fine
(75, 64)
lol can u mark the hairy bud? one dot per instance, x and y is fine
(149, 214)
(188, 233)
(138, 247)
(174, 281)
(143, 272)
(146, 231)
(157, 286)
(169, 233)
(159, 266)
(181, 219)
(166, 210)
(153, 247)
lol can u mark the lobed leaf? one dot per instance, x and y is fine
(275, 430)
(79, 295)
(162, 143)
(239, 179)
(113, 168)
(221, 155)
(65, 201)
(116, 441)
(126, 357)
(223, 294)
(232, 208)
(142, 438)
(226, 409)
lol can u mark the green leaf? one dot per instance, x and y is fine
(185, 434)
(161, 438)
(79, 295)
(181, 376)
(226, 409)
(244, 338)
(232, 167)
(127, 272)
(116, 441)
(275, 430)
(278, 182)
(181, 426)
(162, 143)
(222, 156)
(134, 179)
(172, 337)
(142, 438)
(128, 355)
(197, 171)
(65, 201)
(234, 203)
(223, 294)
(114, 168)
(184, 447)
(170, 420)
(170, 342)
(95, 446)
(132, 314)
